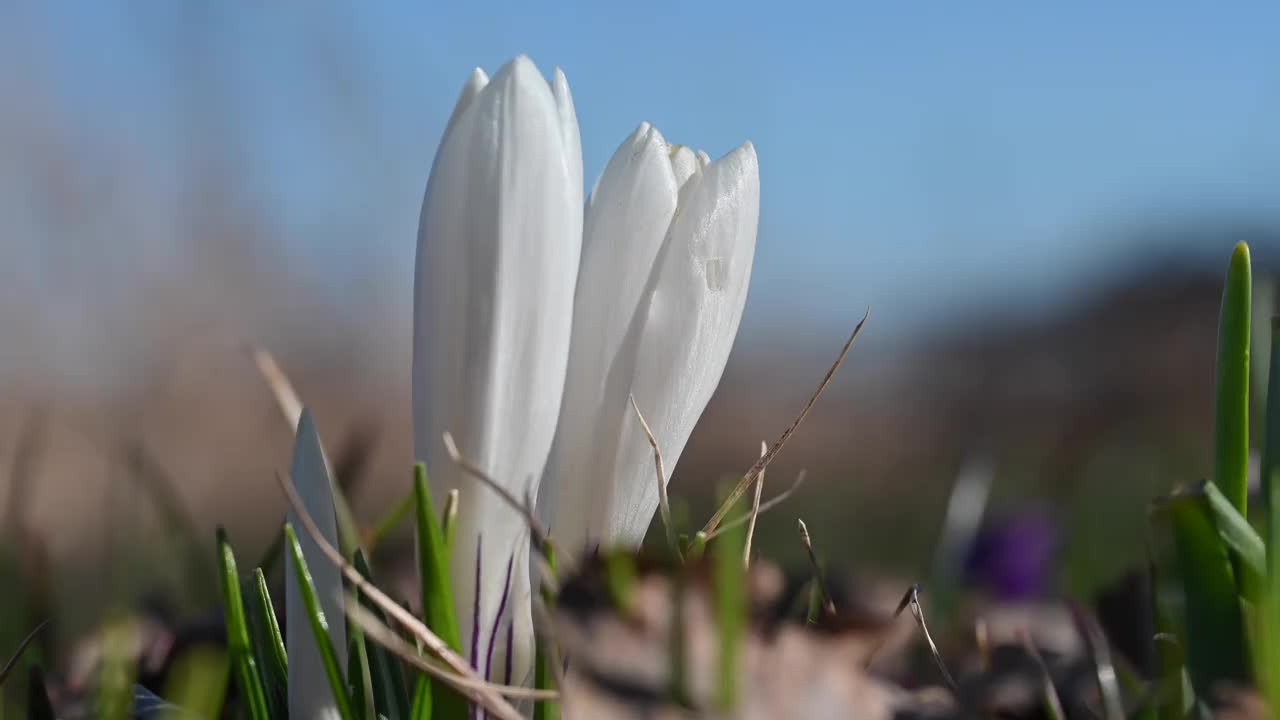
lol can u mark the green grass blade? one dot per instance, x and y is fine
(263, 634)
(319, 627)
(274, 657)
(729, 574)
(544, 672)
(1174, 698)
(437, 603)
(250, 683)
(1244, 545)
(677, 641)
(1231, 418)
(1270, 471)
(386, 674)
(1214, 639)
(388, 523)
(434, 564)
(1261, 339)
(358, 670)
(421, 708)
(113, 695)
(1269, 649)
(197, 680)
(814, 608)
(620, 579)
(697, 546)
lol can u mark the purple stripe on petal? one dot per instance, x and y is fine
(497, 622)
(475, 624)
(511, 637)
(475, 613)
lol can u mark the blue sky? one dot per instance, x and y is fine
(919, 157)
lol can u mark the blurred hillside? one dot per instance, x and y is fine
(1099, 403)
(1086, 410)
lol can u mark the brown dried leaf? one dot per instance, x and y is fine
(620, 661)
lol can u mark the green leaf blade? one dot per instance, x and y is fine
(546, 651)
(319, 627)
(729, 572)
(1214, 640)
(238, 646)
(276, 660)
(433, 698)
(1269, 650)
(390, 693)
(1231, 416)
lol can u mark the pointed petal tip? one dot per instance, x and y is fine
(522, 73)
(306, 424)
(647, 135)
(560, 90)
(741, 159)
(684, 163)
(644, 132)
(521, 68)
(476, 82)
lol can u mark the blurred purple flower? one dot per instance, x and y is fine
(1013, 557)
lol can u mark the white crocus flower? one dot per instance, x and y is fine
(667, 253)
(498, 249)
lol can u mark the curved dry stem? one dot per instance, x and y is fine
(482, 696)
(281, 388)
(542, 615)
(291, 408)
(664, 503)
(387, 638)
(22, 647)
(1051, 699)
(541, 536)
(828, 605)
(755, 511)
(1104, 668)
(912, 598)
(763, 462)
(765, 507)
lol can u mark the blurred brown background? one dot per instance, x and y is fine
(1039, 230)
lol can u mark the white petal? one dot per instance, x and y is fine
(699, 292)
(685, 164)
(703, 158)
(627, 219)
(475, 83)
(498, 251)
(568, 127)
(308, 684)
